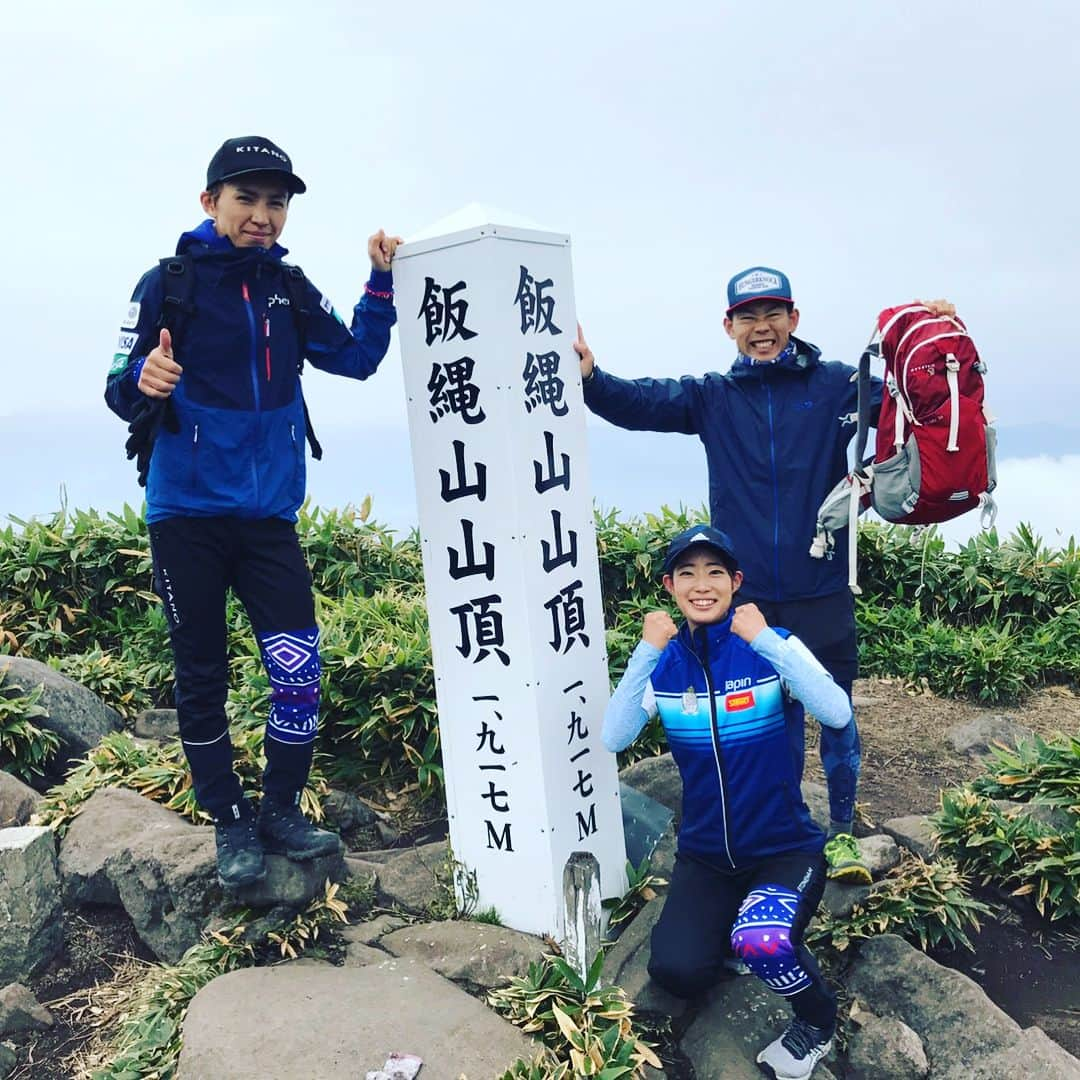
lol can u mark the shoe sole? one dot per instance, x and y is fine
(768, 1070)
(300, 856)
(851, 875)
(241, 884)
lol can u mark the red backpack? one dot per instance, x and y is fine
(935, 443)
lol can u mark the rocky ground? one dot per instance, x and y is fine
(1027, 968)
(1029, 971)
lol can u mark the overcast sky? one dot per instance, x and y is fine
(874, 151)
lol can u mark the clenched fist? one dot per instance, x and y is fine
(381, 249)
(748, 622)
(658, 629)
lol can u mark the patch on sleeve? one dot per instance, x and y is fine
(126, 343)
(324, 303)
(119, 362)
(131, 316)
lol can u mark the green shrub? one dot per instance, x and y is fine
(925, 902)
(587, 1029)
(1014, 850)
(25, 747)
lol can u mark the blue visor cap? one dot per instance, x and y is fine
(701, 534)
(757, 283)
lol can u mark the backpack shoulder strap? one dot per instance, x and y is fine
(296, 285)
(178, 288)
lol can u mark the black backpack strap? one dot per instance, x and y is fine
(153, 414)
(177, 290)
(872, 351)
(296, 285)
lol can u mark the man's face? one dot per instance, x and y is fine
(762, 330)
(702, 586)
(250, 210)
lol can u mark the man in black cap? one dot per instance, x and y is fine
(209, 358)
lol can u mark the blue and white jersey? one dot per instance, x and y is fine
(736, 734)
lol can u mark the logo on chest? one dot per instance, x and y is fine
(740, 701)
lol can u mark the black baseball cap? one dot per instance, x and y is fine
(701, 534)
(250, 154)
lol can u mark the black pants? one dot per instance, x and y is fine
(758, 915)
(196, 560)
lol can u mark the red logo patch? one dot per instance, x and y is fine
(738, 702)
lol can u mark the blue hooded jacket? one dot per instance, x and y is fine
(240, 448)
(775, 438)
(736, 738)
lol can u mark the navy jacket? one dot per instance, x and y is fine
(732, 730)
(240, 450)
(775, 438)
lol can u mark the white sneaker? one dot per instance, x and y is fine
(794, 1055)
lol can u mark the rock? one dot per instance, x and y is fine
(880, 853)
(974, 737)
(341, 1022)
(359, 955)
(158, 724)
(914, 833)
(21, 1011)
(816, 797)
(31, 918)
(8, 1060)
(345, 811)
(294, 884)
(128, 850)
(476, 954)
(17, 801)
(658, 777)
(645, 822)
(965, 1035)
(407, 877)
(840, 899)
(740, 1017)
(884, 1048)
(372, 930)
(78, 716)
(1056, 818)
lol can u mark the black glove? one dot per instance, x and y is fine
(151, 415)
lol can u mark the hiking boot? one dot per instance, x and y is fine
(285, 831)
(239, 853)
(845, 860)
(794, 1055)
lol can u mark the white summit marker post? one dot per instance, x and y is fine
(497, 422)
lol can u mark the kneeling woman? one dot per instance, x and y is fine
(750, 869)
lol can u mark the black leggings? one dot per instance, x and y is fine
(758, 915)
(196, 560)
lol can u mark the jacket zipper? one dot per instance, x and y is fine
(776, 495)
(266, 336)
(714, 731)
(254, 382)
(195, 458)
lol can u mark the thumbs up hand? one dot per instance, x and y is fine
(160, 372)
